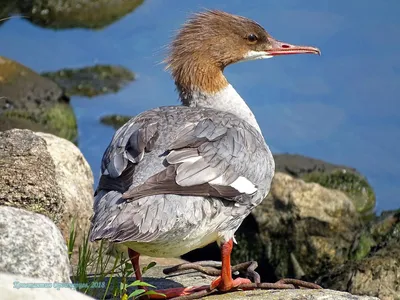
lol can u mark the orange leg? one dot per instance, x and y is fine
(169, 293)
(225, 282)
(134, 257)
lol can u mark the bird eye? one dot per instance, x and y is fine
(252, 38)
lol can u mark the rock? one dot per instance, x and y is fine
(24, 88)
(193, 278)
(17, 287)
(92, 81)
(306, 228)
(116, 121)
(298, 165)
(48, 175)
(32, 245)
(290, 295)
(378, 233)
(76, 13)
(30, 101)
(75, 179)
(378, 273)
(345, 179)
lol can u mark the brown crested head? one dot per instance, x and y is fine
(211, 40)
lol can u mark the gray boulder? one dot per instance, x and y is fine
(17, 287)
(31, 245)
(47, 175)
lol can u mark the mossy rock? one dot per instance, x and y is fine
(61, 14)
(380, 232)
(62, 120)
(31, 101)
(351, 183)
(58, 119)
(375, 270)
(91, 81)
(9, 122)
(23, 88)
(333, 176)
(116, 121)
(387, 228)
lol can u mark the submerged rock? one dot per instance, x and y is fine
(32, 245)
(92, 81)
(48, 175)
(116, 121)
(59, 14)
(30, 101)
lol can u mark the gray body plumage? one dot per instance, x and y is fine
(171, 180)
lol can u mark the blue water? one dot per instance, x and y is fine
(342, 107)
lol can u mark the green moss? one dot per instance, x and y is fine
(378, 234)
(61, 119)
(354, 185)
(91, 81)
(387, 228)
(7, 123)
(116, 121)
(365, 243)
(58, 119)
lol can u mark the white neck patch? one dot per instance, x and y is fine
(253, 55)
(226, 100)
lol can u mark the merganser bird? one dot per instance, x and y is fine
(177, 178)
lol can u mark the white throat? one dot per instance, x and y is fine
(226, 100)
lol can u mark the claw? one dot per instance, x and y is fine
(225, 286)
(177, 292)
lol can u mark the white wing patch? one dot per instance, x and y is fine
(243, 185)
(218, 181)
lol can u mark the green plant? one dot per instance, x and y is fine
(97, 276)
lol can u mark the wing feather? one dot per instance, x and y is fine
(213, 154)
